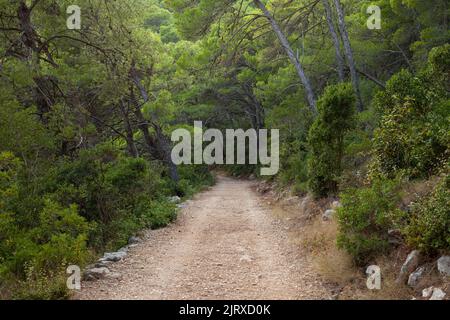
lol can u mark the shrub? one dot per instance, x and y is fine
(326, 138)
(414, 131)
(192, 179)
(428, 226)
(365, 217)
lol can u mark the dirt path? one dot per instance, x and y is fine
(224, 245)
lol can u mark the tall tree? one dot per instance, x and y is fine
(349, 54)
(292, 56)
(334, 37)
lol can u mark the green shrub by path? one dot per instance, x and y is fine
(326, 138)
(427, 226)
(414, 130)
(365, 217)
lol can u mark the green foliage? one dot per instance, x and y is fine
(192, 179)
(427, 227)
(365, 217)
(413, 135)
(326, 138)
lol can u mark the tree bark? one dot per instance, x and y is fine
(131, 146)
(292, 57)
(349, 54)
(335, 38)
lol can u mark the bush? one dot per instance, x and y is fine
(192, 179)
(414, 131)
(365, 217)
(428, 224)
(326, 138)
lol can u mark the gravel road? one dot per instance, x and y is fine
(225, 244)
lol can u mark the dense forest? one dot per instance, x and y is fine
(86, 117)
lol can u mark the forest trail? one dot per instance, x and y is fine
(225, 244)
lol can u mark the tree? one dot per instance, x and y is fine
(335, 39)
(290, 53)
(349, 53)
(326, 138)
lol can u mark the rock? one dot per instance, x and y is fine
(415, 277)
(174, 199)
(328, 215)
(124, 249)
(101, 264)
(134, 240)
(95, 273)
(438, 294)
(335, 205)
(426, 293)
(252, 176)
(410, 264)
(443, 265)
(113, 256)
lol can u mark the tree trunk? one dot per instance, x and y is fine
(160, 146)
(349, 54)
(143, 126)
(165, 150)
(335, 38)
(292, 57)
(131, 146)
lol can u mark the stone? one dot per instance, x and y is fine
(426, 293)
(438, 294)
(443, 265)
(328, 215)
(415, 277)
(410, 264)
(95, 273)
(113, 256)
(134, 240)
(174, 199)
(101, 264)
